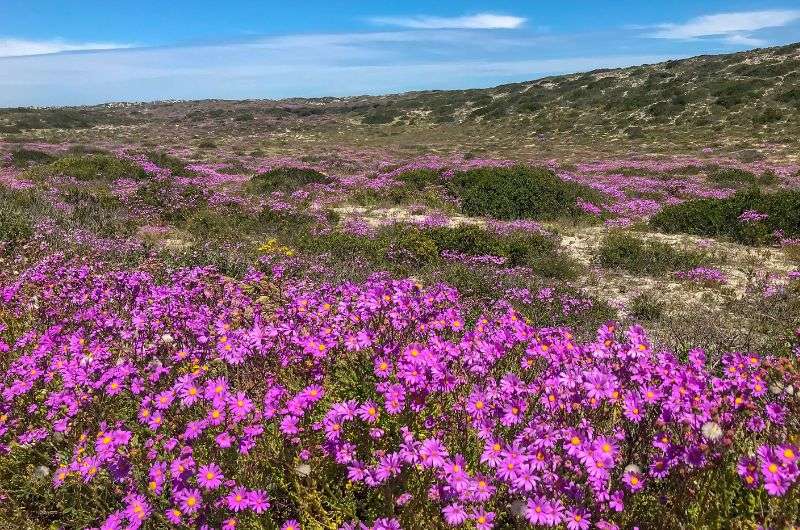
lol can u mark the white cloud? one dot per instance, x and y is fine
(286, 66)
(10, 47)
(477, 21)
(734, 28)
(745, 40)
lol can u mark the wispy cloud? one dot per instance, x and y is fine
(285, 66)
(733, 28)
(477, 21)
(10, 47)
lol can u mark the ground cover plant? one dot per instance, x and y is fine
(465, 309)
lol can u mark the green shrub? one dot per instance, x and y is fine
(380, 117)
(519, 248)
(402, 247)
(286, 179)
(206, 223)
(557, 266)
(732, 177)
(647, 307)
(720, 217)
(730, 93)
(97, 211)
(23, 158)
(410, 247)
(519, 193)
(768, 115)
(637, 256)
(91, 167)
(206, 144)
(419, 178)
(15, 225)
(167, 161)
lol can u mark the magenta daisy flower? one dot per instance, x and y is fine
(634, 481)
(174, 515)
(210, 476)
(190, 500)
(578, 519)
(258, 501)
(454, 514)
(237, 499)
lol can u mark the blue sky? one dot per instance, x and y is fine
(87, 51)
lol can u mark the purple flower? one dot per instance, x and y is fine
(258, 501)
(454, 514)
(210, 476)
(190, 500)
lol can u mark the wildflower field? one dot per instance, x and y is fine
(284, 329)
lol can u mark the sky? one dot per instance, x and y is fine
(88, 51)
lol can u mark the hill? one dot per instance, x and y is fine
(749, 97)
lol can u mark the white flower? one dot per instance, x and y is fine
(711, 430)
(166, 338)
(632, 468)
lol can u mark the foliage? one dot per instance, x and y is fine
(22, 158)
(519, 193)
(93, 167)
(253, 403)
(286, 179)
(721, 217)
(638, 256)
(15, 225)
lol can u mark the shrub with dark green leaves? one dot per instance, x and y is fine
(646, 306)
(419, 178)
(732, 177)
(23, 158)
(167, 161)
(519, 192)
(637, 256)
(91, 167)
(408, 246)
(720, 217)
(15, 225)
(519, 248)
(287, 179)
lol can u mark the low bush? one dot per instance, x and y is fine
(419, 178)
(97, 211)
(647, 307)
(637, 256)
(91, 167)
(720, 217)
(402, 248)
(519, 248)
(167, 161)
(16, 224)
(732, 177)
(519, 192)
(23, 158)
(286, 179)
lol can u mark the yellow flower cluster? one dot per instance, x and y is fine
(273, 247)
